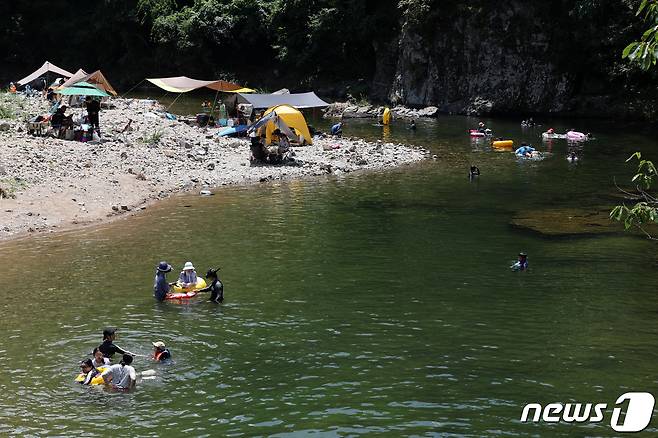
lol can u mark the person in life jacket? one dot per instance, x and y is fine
(522, 263)
(216, 287)
(160, 352)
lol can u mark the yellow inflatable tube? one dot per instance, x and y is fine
(503, 144)
(97, 380)
(200, 284)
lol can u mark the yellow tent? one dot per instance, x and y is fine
(292, 117)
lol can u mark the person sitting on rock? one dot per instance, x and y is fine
(337, 129)
(258, 151)
(187, 277)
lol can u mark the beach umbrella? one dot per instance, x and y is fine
(82, 89)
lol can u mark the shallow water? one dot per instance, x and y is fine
(372, 303)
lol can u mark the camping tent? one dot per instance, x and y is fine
(283, 117)
(183, 84)
(96, 78)
(45, 68)
(299, 100)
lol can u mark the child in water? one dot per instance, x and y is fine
(521, 264)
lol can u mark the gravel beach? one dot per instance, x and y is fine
(48, 184)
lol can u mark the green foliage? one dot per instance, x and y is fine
(645, 211)
(644, 53)
(10, 106)
(9, 187)
(153, 138)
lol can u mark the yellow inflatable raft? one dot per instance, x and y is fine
(506, 145)
(97, 380)
(200, 284)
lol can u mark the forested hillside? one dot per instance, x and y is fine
(476, 56)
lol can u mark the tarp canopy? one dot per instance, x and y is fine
(183, 84)
(96, 78)
(82, 89)
(299, 100)
(283, 117)
(45, 68)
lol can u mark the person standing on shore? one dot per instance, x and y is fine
(93, 111)
(161, 287)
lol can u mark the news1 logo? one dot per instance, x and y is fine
(637, 418)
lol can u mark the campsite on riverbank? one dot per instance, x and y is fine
(51, 183)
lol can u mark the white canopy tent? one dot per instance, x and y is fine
(45, 68)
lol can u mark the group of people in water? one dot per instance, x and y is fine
(187, 279)
(122, 376)
(526, 150)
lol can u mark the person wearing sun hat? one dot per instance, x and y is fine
(187, 276)
(160, 286)
(160, 352)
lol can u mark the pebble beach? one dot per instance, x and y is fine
(47, 184)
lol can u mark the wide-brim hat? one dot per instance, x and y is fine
(158, 344)
(164, 267)
(188, 265)
(522, 254)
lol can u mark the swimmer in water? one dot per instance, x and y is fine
(521, 264)
(474, 172)
(88, 370)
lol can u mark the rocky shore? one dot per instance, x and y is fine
(48, 184)
(350, 110)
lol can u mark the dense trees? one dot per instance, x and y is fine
(297, 43)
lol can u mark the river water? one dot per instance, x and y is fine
(376, 303)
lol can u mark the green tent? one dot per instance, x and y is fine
(82, 89)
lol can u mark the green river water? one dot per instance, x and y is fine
(373, 303)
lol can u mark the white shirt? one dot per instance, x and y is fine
(105, 362)
(121, 375)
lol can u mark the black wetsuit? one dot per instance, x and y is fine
(216, 290)
(108, 349)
